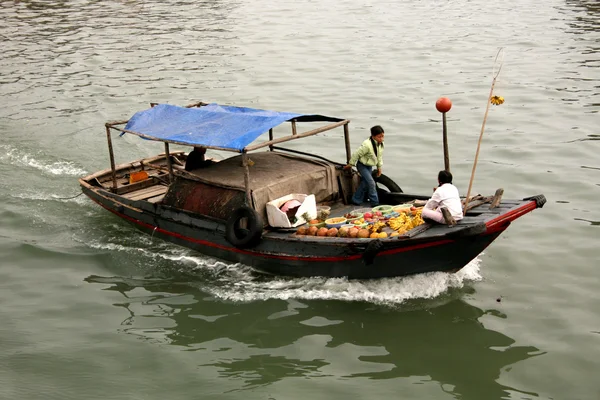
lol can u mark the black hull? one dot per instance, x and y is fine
(290, 255)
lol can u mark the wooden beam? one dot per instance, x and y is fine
(172, 141)
(197, 104)
(476, 203)
(297, 136)
(112, 159)
(347, 141)
(497, 198)
(415, 231)
(169, 163)
(246, 166)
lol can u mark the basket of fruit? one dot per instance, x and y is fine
(358, 223)
(402, 208)
(352, 216)
(317, 223)
(335, 222)
(361, 211)
(373, 216)
(383, 209)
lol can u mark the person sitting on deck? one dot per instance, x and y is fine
(196, 159)
(445, 195)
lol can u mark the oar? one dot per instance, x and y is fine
(487, 108)
(443, 105)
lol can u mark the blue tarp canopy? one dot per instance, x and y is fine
(213, 125)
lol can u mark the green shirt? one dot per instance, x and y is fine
(366, 155)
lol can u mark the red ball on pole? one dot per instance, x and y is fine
(443, 104)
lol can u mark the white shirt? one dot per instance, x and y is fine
(446, 196)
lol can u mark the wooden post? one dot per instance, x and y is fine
(445, 137)
(347, 140)
(246, 166)
(271, 138)
(285, 138)
(294, 127)
(112, 159)
(497, 198)
(169, 164)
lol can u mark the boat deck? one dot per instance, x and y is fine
(154, 188)
(475, 217)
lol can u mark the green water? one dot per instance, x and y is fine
(90, 308)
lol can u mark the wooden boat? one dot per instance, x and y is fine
(220, 209)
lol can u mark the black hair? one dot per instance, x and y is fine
(444, 177)
(376, 130)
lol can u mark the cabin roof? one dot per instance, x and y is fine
(212, 125)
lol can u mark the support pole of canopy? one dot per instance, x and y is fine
(169, 164)
(347, 140)
(112, 158)
(246, 166)
(294, 132)
(297, 136)
(271, 138)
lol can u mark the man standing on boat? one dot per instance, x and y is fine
(368, 155)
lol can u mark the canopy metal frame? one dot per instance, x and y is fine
(114, 125)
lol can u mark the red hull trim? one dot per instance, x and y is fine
(500, 223)
(272, 256)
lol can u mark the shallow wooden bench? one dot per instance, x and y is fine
(147, 193)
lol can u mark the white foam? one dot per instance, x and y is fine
(390, 291)
(239, 283)
(21, 158)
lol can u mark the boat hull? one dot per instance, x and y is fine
(292, 255)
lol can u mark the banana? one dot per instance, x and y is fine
(404, 223)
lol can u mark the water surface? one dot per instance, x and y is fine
(92, 308)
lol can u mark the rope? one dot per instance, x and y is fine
(68, 198)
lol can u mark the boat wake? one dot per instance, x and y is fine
(21, 158)
(389, 291)
(240, 283)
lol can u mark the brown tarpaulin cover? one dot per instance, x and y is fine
(274, 175)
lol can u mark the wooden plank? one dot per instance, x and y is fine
(415, 231)
(151, 192)
(156, 199)
(147, 193)
(497, 198)
(125, 187)
(477, 203)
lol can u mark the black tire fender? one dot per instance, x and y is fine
(388, 183)
(374, 247)
(539, 199)
(244, 236)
